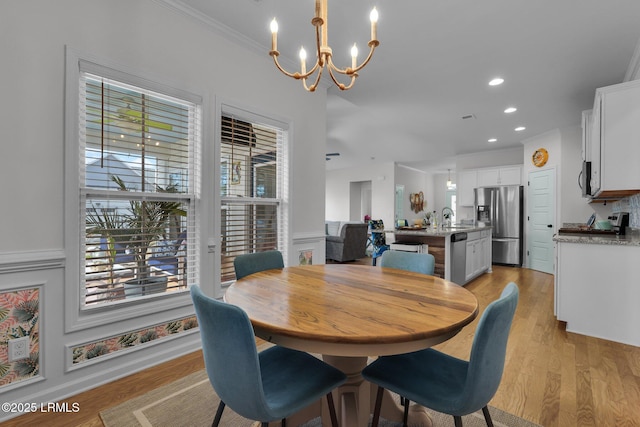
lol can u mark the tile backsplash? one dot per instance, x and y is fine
(632, 205)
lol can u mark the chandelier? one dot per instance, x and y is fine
(323, 55)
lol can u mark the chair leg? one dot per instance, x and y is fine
(216, 420)
(405, 416)
(376, 409)
(332, 410)
(487, 416)
(283, 422)
(457, 420)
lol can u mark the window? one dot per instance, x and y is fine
(253, 190)
(138, 182)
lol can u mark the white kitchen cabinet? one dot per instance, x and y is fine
(470, 179)
(597, 290)
(467, 182)
(615, 140)
(478, 253)
(485, 250)
(471, 266)
(508, 175)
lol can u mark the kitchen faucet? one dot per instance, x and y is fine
(447, 219)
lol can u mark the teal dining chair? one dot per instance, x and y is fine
(266, 386)
(410, 261)
(447, 384)
(247, 264)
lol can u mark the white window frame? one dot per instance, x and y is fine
(83, 317)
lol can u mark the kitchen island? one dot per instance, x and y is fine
(475, 260)
(596, 289)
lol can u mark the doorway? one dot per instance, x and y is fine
(360, 200)
(541, 220)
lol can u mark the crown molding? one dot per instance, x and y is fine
(633, 70)
(216, 26)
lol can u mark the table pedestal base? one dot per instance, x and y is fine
(355, 399)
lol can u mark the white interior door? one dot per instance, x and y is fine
(541, 220)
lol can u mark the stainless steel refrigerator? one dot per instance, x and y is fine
(501, 208)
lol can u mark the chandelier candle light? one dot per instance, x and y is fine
(324, 51)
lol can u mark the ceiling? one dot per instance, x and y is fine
(434, 63)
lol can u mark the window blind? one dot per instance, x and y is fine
(138, 185)
(253, 189)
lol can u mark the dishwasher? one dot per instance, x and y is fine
(458, 257)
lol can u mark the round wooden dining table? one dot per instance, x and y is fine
(348, 313)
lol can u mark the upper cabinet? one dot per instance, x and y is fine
(467, 180)
(508, 175)
(615, 141)
(470, 179)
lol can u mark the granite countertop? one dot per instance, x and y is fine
(446, 231)
(631, 238)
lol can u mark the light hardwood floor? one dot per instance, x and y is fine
(551, 377)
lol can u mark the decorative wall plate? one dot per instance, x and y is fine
(540, 157)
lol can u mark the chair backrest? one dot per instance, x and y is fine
(247, 264)
(230, 355)
(378, 238)
(410, 261)
(486, 362)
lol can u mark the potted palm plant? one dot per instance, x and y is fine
(144, 223)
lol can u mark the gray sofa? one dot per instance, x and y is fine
(345, 241)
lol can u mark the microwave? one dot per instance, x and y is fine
(584, 179)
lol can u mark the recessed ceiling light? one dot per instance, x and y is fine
(511, 110)
(497, 81)
(520, 128)
(492, 140)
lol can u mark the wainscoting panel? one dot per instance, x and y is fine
(308, 248)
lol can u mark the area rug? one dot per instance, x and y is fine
(191, 402)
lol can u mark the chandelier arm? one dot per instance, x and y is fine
(350, 71)
(341, 86)
(285, 72)
(372, 44)
(295, 75)
(313, 87)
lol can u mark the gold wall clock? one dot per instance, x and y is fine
(540, 157)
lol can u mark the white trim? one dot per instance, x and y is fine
(307, 237)
(22, 262)
(633, 70)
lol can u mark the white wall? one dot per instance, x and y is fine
(338, 194)
(414, 181)
(440, 192)
(166, 46)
